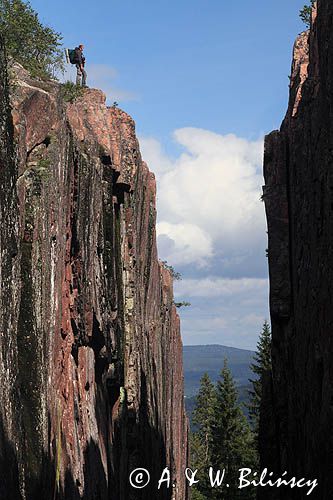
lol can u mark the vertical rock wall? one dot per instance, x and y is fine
(297, 424)
(91, 354)
(9, 270)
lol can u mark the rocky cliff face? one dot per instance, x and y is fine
(297, 425)
(90, 350)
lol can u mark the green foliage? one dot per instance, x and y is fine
(176, 276)
(306, 12)
(42, 168)
(203, 415)
(261, 365)
(44, 163)
(28, 41)
(203, 440)
(201, 490)
(12, 79)
(196, 495)
(223, 439)
(233, 442)
(182, 304)
(71, 92)
(207, 358)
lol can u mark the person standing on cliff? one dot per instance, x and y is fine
(79, 63)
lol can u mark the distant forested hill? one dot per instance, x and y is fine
(199, 359)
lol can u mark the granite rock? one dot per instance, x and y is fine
(90, 346)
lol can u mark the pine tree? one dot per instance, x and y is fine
(233, 440)
(261, 365)
(28, 41)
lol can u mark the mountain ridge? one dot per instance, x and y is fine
(209, 358)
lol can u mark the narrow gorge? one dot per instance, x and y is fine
(90, 348)
(91, 368)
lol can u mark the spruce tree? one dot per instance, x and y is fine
(202, 439)
(261, 365)
(233, 440)
(199, 491)
(203, 415)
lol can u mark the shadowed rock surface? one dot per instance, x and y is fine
(297, 412)
(90, 349)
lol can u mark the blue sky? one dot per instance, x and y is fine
(204, 80)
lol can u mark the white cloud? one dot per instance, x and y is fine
(153, 151)
(211, 220)
(219, 287)
(223, 311)
(252, 320)
(204, 326)
(208, 197)
(176, 240)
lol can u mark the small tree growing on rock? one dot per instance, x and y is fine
(306, 13)
(175, 275)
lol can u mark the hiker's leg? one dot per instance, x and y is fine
(84, 78)
(78, 74)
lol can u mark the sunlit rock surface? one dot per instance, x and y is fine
(91, 355)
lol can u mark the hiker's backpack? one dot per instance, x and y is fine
(71, 56)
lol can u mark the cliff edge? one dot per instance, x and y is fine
(90, 347)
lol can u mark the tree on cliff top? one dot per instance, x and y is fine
(306, 13)
(28, 41)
